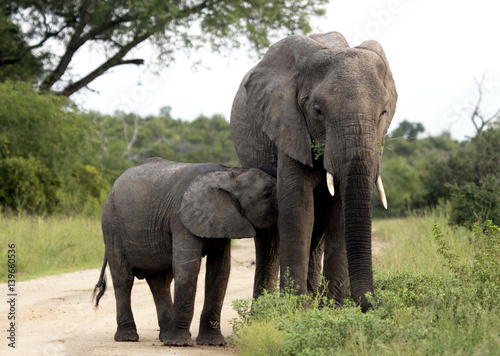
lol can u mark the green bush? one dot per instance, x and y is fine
(471, 202)
(83, 192)
(26, 184)
(454, 313)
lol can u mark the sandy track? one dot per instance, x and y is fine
(54, 315)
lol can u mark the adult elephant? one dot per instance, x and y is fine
(317, 91)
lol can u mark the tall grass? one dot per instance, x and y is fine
(408, 245)
(437, 290)
(51, 245)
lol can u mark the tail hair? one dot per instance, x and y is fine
(101, 284)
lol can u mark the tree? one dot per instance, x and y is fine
(410, 167)
(47, 149)
(480, 120)
(408, 130)
(16, 60)
(119, 26)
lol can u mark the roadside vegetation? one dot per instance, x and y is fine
(51, 245)
(437, 290)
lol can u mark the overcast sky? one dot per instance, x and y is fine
(436, 50)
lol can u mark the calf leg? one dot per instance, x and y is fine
(159, 283)
(217, 276)
(187, 250)
(122, 284)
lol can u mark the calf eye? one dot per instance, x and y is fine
(318, 110)
(267, 194)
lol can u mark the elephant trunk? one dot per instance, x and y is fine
(355, 169)
(357, 199)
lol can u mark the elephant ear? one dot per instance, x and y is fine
(374, 46)
(208, 209)
(272, 96)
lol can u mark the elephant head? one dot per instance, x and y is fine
(319, 89)
(229, 203)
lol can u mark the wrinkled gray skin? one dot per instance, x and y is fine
(317, 88)
(160, 218)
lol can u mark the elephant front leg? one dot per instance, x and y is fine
(295, 220)
(217, 276)
(321, 200)
(335, 267)
(186, 252)
(266, 260)
(159, 283)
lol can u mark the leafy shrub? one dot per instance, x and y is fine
(26, 184)
(481, 276)
(413, 314)
(83, 192)
(471, 202)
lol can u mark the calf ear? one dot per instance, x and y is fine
(208, 209)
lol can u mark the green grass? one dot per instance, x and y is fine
(437, 291)
(408, 245)
(51, 245)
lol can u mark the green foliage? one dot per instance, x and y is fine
(202, 140)
(405, 167)
(84, 192)
(54, 158)
(45, 148)
(26, 184)
(318, 149)
(118, 26)
(16, 60)
(408, 130)
(472, 203)
(44, 126)
(471, 162)
(270, 338)
(425, 312)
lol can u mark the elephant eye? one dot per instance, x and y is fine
(383, 112)
(318, 110)
(267, 194)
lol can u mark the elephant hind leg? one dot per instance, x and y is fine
(322, 199)
(216, 279)
(159, 283)
(127, 330)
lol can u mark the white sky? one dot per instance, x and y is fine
(436, 50)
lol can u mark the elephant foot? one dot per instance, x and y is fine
(126, 334)
(177, 338)
(211, 337)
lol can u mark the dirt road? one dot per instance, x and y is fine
(54, 315)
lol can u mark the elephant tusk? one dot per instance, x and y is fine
(329, 182)
(381, 192)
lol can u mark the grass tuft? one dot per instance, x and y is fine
(51, 245)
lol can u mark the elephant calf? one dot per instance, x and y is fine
(159, 220)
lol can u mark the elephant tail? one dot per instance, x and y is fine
(101, 283)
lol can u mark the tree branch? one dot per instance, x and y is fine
(137, 61)
(130, 143)
(478, 119)
(47, 36)
(74, 44)
(114, 61)
(93, 33)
